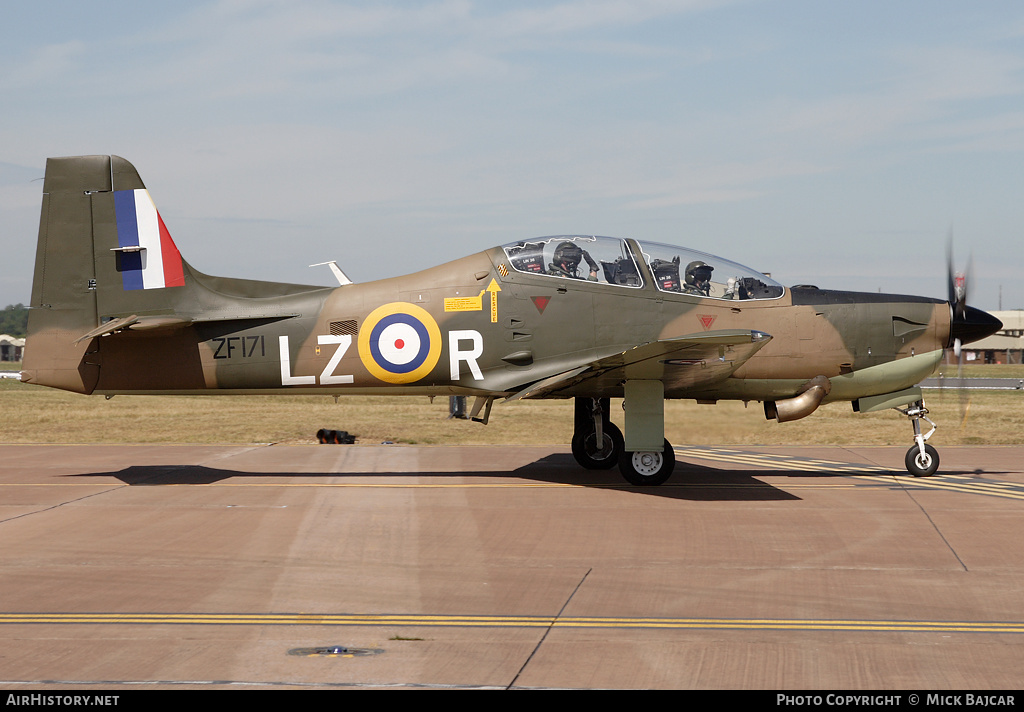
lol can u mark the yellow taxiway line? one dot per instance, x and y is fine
(408, 620)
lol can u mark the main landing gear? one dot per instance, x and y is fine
(597, 444)
(922, 459)
(596, 441)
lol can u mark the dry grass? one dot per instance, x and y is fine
(34, 414)
(985, 370)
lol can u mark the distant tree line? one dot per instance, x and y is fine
(14, 320)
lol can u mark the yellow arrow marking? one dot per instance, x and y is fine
(493, 288)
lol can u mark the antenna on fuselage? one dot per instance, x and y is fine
(338, 274)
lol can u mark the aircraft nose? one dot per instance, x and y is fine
(973, 325)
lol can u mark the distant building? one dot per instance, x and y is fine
(1004, 346)
(11, 348)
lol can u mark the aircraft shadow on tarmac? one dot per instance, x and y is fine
(689, 482)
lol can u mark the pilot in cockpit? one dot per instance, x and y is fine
(698, 278)
(566, 262)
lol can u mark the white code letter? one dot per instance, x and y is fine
(287, 379)
(470, 356)
(328, 377)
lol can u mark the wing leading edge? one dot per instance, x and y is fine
(691, 361)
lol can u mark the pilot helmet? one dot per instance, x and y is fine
(569, 254)
(697, 272)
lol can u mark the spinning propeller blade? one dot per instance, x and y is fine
(967, 324)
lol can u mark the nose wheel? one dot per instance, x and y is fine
(922, 464)
(922, 459)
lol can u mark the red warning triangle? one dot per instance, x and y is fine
(541, 303)
(706, 320)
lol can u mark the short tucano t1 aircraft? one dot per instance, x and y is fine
(117, 310)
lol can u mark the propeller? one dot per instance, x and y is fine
(958, 282)
(967, 324)
(957, 285)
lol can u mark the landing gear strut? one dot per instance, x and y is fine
(647, 459)
(921, 460)
(596, 441)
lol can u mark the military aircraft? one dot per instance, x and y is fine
(117, 310)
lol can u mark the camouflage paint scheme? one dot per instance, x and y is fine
(475, 326)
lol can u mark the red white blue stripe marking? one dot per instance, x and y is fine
(139, 225)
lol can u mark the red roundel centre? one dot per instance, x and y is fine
(399, 344)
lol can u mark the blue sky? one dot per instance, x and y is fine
(828, 143)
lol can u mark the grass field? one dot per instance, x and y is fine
(30, 414)
(986, 370)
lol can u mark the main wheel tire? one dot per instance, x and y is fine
(922, 465)
(647, 469)
(592, 457)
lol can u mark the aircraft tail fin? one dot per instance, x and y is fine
(106, 261)
(65, 282)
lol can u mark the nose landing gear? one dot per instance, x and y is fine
(921, 460)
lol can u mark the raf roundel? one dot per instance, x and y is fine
(399, 343)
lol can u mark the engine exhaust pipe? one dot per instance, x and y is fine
(813, 392)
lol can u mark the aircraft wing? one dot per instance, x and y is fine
(691, 361)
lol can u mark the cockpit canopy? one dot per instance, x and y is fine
(607, 260)
(613, 261)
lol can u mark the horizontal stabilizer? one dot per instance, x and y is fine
(150, 323)
(109, 328)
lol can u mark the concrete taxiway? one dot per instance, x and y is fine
(484, 567)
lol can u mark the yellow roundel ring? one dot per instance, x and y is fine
(399, 342)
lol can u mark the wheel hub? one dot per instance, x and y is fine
(647, 463)
(603, 452)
